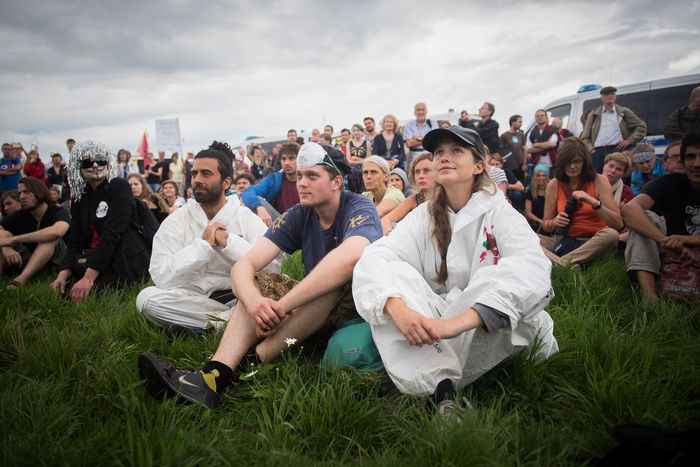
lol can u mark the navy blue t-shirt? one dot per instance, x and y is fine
(299, 228)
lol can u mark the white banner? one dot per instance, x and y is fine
(168, 136)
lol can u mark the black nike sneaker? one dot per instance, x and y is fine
(189, 386)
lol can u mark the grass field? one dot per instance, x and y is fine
(70, 393)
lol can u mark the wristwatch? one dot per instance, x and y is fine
(600, 205)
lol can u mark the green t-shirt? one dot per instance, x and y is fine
(391, 193)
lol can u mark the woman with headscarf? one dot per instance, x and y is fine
(110, 235)
(375, 176)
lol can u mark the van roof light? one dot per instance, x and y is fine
(588, 87)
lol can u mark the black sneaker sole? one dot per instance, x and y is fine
(151, 371)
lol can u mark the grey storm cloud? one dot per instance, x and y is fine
(228, 69)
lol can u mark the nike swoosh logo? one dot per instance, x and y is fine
(182, 379)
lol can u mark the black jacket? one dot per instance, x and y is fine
(120, 247)
(488, 131)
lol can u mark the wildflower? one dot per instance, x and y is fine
(249, 375)
(290, 341)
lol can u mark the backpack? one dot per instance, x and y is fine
(352, 345)
(144, 222)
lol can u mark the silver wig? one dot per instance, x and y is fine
(86, 150)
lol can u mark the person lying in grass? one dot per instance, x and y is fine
(460, 284)
(331, 227)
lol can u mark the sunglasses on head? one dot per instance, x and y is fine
(88, 163)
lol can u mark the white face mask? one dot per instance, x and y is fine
(96, 172)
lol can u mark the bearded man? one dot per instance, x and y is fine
(195, 249)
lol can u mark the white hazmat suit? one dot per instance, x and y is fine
(186, 269)
(494, 259)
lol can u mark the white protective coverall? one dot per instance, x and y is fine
(494, 258)
(186, 269)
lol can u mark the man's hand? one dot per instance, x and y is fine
(264, 215)
(623, 144)
(5, 242)
(221, 237)
(416, 328)
(60, 282)
(267, 314)
(80, 290)
(674, 242)
(12, 257)
(209, 234)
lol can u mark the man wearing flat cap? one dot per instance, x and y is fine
(611, 128)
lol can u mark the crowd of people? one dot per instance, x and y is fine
(441, 237)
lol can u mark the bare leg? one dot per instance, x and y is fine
(238, 337)
(240, 334)
(304, 322)
(647, 287)
(41, 256)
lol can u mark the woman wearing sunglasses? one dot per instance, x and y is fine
(103, 248)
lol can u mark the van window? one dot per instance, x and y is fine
(653, 107)
(562, 112)
(663, 103)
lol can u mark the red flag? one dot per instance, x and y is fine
(143, 147)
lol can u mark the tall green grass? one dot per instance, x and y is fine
(70, 393)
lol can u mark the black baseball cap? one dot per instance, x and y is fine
(456, 133)
(608, 90)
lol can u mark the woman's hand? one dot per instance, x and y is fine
(562, 220)
(581, 195)
(416, 328)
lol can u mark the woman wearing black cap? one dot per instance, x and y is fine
(461, 283)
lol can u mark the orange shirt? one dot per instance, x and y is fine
(586, 220)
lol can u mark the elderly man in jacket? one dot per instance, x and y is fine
(611, 128)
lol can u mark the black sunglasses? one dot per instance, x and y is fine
(87, 163)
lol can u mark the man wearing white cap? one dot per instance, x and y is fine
(332, 227)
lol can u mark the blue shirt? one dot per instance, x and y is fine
(411, 129)
(299, 228)
(9, 182)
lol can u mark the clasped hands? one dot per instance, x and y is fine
(216, 234)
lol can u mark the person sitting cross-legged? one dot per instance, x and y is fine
(590, 228)
(654, 240)
(33, 237)
(195, 248)
(461, 283)
(331, 227)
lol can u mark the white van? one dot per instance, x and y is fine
(652, 101)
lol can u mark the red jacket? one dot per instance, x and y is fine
(35, 169)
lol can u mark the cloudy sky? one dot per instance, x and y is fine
(106, 70)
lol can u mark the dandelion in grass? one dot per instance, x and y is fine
(290, 341)
(249, 375)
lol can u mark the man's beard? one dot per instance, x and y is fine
(207, 196)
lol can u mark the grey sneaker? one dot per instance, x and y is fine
(163, 379)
